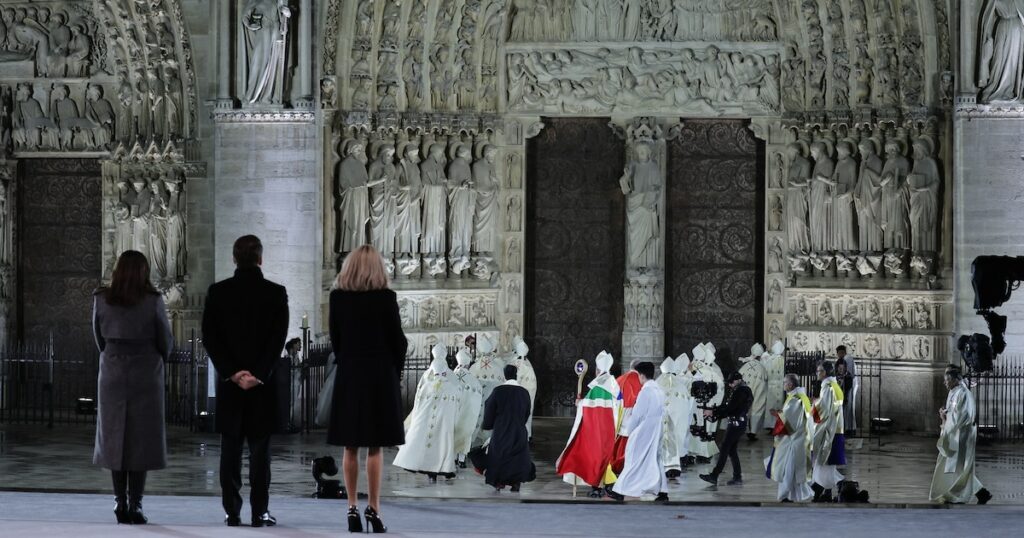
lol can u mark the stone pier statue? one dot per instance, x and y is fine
(895, 199)
(383, 178)
(820, 206)
(461, 206)
(868, 196)
(485, 218)
(353, 198)
(435, 205)
(844, 179)
(266, 36)
(923, 183)
(408, 221)
(641, 183)
(797, 183)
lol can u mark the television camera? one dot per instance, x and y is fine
(703, 391)
(994, 278)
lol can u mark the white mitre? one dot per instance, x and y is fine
(604, 362)
(463, 357)
(668, 366)
(711, 349)
(485, 344)
(778, 347)
(520, 347)
(756, 350)
(698, 353)
(439, 365)
(682, 363)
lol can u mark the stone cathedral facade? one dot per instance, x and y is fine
(630, 175)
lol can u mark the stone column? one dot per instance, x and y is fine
(303, 96)
(223, 17)
(643, 184)
(775, 243)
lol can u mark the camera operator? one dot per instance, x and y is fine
(735, 410)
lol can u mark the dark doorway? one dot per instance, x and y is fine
(59, 252)
(575, 254)
(715, 239)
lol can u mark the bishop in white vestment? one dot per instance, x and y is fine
(756, 377)
(643, 474)
(954, 480)
(430, 429)
(675, 434)
(489, 371)
(471, 412)
(775, 369)
(527, 377)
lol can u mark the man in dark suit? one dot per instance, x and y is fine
(244, 327)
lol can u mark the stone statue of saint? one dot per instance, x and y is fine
(923, 183)
(797, 182)
(435, 200)
(461, 207)
(868, 196)
(820, 206)
(266, 34)
(641, 183)
(1000, 34)
(775, 297)
(775, 256)
(5, 226)
(383, 185)
(844, 179)
(895, 200)
(30, 128)
(123, 218)
(485, 219)
(353, 198)
(407, 215)
(100, 112)
(139, 214)
(176, 255)
(157, 229)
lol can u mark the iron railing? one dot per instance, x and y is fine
(869, 420)
(999, 399)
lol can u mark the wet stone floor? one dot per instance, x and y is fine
(895, 469)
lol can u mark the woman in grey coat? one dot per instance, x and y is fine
(134, 338)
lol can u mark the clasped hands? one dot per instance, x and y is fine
(245, 379)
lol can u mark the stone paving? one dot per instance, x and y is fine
(895, 469)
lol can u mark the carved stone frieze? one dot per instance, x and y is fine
(873, 311)
(867, 345)
(604, 80)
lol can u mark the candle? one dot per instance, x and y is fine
(305, 321)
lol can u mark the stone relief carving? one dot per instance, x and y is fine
(774, 263)
(641, 20)
(44, 42)
(604, 80)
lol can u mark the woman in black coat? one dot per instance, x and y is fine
(134, 338)
(369, 345)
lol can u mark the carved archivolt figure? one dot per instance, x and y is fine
(797, 182)
(266, 33)
(1000, 40)
(641, 183)
(923, 183)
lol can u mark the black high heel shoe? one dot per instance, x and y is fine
(355, 523)
(121, 511)
(373, 521)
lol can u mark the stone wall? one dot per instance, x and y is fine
(266, 184)
(989, 212)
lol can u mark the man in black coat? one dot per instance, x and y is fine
(506, 411)
(735, 410)
(244, 327)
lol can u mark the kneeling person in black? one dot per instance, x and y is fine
(735, 410)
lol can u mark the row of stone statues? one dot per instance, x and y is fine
(149, 217)
(444, 207)
(858, 202)
(56, 45)
(64, 124)
(639, 20)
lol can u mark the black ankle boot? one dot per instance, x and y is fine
(135, 515)
(373, 521)
(121, 510)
